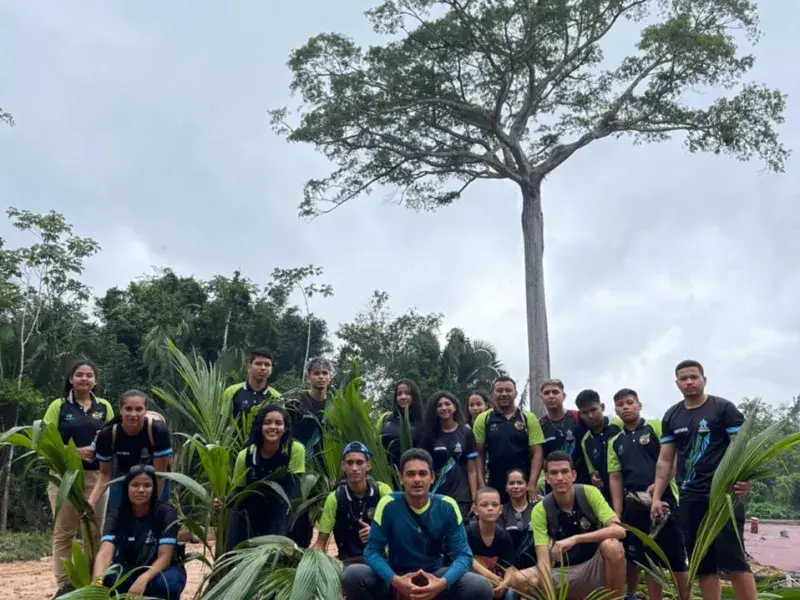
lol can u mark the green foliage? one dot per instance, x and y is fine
(24, 546)
(22, 396)
(77, 567)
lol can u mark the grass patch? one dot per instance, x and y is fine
(24, 546)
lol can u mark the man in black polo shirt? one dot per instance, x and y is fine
(509, 438)
(595, 441)
(562, 429)
(349, 509)
(254, 391)
(698, 431)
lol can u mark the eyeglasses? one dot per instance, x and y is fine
(138, 469)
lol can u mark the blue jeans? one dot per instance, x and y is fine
(359, 582)
(167, 585)
(115, 494)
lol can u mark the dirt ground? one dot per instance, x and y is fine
(33, 580)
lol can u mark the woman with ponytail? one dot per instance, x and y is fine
(79, 415)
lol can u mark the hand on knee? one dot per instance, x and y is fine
(525, 580)
(612, 551)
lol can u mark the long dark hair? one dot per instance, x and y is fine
(256, 435)
(66, 389)
(129, 394)
(432, 424)
(415, 410)
(126, 519)
(486, 400)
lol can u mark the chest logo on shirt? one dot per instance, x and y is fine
(145, 453)
(519, 425)
(457, 448)
(370, 514)
(150, 538)
(644, 439)
(69, 417)
(585, 525)
(97, 415)
(569, 436)
(493, 427)
(703, 427)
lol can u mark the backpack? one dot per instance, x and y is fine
(551, 509)
(151, 416)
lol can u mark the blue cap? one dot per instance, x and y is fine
(356, 447)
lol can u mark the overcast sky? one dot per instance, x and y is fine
(145, 124)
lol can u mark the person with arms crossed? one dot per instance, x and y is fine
(594, 443)
(632, 457)
(698, 431)
(349, 509)
(508, 438)
(418, 528)
(577, 538)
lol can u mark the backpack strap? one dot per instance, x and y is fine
(583, 503)
(575, 416)
(150, 434)
(551, 512)
(113, 436)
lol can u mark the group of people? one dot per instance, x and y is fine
(472, 517)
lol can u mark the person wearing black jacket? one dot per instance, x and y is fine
(406, 398)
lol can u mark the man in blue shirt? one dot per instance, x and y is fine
(418, 528)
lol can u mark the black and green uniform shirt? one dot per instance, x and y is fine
(126, 450)
(701, 436)
(307, 415)
(507, 440)
(595, 450)
(458, 445)
(564, 435)
(244, 398)
(136, 539)
(79, 425)
(634, 454)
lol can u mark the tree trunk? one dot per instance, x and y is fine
(5, 478)
(225, 334)
(533, 245)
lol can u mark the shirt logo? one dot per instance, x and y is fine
(585, 525)
(150, 538)
(370, 514)
(69, 417)
(457, 448)
(703, 428)
(145, 453)
(645, 439)
(570, 436)
(682, 430)
(519, 425)
(97, 415)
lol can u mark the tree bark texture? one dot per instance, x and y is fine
(536, 308)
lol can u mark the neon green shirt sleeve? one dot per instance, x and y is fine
(240, 468)
(615, 420)
(297, 463)
(589, 464)
(602, 511)
(109, 409)
(328, 518)
(535, 435)
(655, 424)
(229, 392)
(383, 489)
(52, 412)
(539, 526)
(613, 459)
(479, 428)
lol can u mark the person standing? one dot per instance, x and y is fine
(508, 438)
(632, 457)
(406, 399)
(253, 391)
(410, 534)
(477, 403)
(349, 509)
(594, 444)
(562, 429)
(79, 415)
(697, 431)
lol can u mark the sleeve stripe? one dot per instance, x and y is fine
(667, 439)
(161, 453)
(167, 541)
(102, 458)
(472, 455)
(732, 429)
(108, 538)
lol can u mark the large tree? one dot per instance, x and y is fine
(464, 90)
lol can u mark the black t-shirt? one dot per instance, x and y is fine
(562, 435)
(518, 526)
(460, 446)
(596, 447)
(390, 436)
(701, 436)
(130, 450)
(636, 451)
(307, 417)
(507, 443)
(245, 398)
(136, 539)
(501, 552)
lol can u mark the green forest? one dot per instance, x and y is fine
(49, 317)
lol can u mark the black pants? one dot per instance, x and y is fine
(726, 552)
(254, 516)
(302, 531)
(670, 538)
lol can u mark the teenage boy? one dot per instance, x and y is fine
(254, 390)
(577, 538)
(349, 509)
(410, 533)
(632, 457)
(698, 431)
(492, 548)
(562, 429)
(594, 443)
(508, 437)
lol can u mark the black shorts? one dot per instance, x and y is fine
(670, 538)
(726, 552)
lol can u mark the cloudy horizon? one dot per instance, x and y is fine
(146, 126)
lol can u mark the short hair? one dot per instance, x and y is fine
(503, 379)
(415, 454)
(689, 363)
(319, 363)
(559, 456)
(586, 398)
(624, 393)
(556, 382)
(260, 352)
(484, 490)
